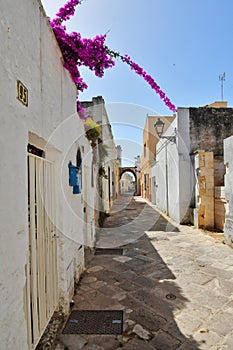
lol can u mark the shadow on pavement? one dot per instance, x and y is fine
(163, 225)
(138, 282)
(155, 297)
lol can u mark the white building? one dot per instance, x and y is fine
(108, 184)
(172, 175)
(228, 160)
(188, 174)
(44, 226)
(127, 183)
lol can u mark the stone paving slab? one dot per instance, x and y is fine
(159, 258)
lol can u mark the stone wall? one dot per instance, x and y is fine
(219, 171)
(209, 127)
(219, 207)
(204, 190)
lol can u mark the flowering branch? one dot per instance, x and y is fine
(92, 53)
(134, 66)
(67, 11)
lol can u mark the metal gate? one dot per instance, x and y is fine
(41, 269)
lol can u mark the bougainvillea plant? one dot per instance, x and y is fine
(92, 53)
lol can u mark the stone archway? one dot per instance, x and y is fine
(136, 174)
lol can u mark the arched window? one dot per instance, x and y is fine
(92, 174)
(79, 159)
(79, 167)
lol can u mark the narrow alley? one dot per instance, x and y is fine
(89, 167)
(172, 284)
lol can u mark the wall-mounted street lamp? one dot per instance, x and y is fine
(159, 127)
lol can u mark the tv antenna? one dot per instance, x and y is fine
(222, 79)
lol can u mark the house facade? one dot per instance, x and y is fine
(107, 166)
(127, 183)
(190, 171)
(44, 225)
(150, 139)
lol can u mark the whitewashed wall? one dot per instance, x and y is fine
(179, 183)
(186, 169)
(29, 53)
(109, 162)
(166, 173)
(96, 109)
(228, 160)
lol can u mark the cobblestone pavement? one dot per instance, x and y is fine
(173, 283)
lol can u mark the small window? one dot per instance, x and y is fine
(144, 149)
(79, 159)
(79, 168)
(92, 174)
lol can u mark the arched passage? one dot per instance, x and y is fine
(136, 175)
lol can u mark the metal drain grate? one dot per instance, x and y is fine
(171, 296)
(94, 322)
(108, 251)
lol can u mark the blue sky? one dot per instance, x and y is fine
(184, 45)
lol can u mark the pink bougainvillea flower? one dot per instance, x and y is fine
(92, 53)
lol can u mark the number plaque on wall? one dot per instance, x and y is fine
(22, 93)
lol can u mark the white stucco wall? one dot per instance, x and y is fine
(186, 170)
(109, 162)
(97, 111)
(158, 172)
(166, 172)
(29, 53)
(228, 160)
(179, 170)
